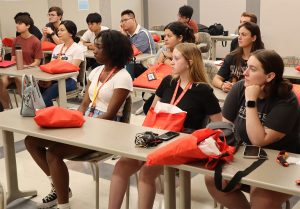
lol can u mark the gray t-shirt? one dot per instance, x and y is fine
(274, 113)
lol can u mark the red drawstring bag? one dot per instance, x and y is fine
(8, 41)
(186, 150)
(59, 66)
(156, 37)
(153, 76)
(48, 46)
(296, 90)
(297, 67)
(136, 51)
(58, 117)
(6, 63)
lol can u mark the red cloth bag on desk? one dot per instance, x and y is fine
(157, 72)
(59, 66)
(167, 116)
(8, 41)
(296, 90)
(136, 51)
(48, 46)
(58, 117)
(186, 149)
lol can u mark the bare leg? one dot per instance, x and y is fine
(58, 169)
(232, 200)
(4, 97)
(261, 198)
(147, 186)
(124, 168)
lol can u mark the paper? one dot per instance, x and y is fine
(293, 160)
(209, 147)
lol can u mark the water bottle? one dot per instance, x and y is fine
(19, 57)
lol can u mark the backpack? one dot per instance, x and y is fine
(216, 29)
(203, 28)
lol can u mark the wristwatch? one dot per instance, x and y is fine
(53, 33)
(250, 103)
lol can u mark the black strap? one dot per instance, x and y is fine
(237, 177)
(224, 43)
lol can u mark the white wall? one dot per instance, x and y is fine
(225, 12)
(71, 12)
(162, 12)
(280, 26)
(118, 6)
(8, 9)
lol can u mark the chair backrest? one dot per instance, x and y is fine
(291, 61)
(211, 69)
(2, 197)
(205, 38)
(127, 111)
(80, 33)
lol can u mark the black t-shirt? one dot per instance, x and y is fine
(49, 37)
(199, 101)
(234, 44)
(230, 71)
(34, 31)
(276, 114)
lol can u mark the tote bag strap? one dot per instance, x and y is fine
(237, 177)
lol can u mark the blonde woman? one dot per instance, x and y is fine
(199, 102)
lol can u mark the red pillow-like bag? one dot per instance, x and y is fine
(59, 66)
(58, 117)
(48, 46)
(297, 67)
(8, 41)
(136, 51)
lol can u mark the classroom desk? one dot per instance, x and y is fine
(270, 175)
(161, 33)
(40, 75)
(291, 73)
(95, 134)
(215, 39)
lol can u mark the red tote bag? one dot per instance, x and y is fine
(8, 42)
(186, 150)
(167, 116)
(158, 71)
(48, 46)
(136, 51)
(58, 117)
(59, 66)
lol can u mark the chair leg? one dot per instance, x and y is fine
(287, 204)
(215, 204)
(15, 95)
(96, 178)
(93, 170)
(127, 195)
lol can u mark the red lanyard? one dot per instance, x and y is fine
(59, 56)
(173, 102)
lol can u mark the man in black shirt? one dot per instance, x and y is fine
(245, 17)
(50, 30)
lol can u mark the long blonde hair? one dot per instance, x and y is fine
(190, 51)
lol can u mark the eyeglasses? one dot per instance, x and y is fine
(125, 20)
(52, 15)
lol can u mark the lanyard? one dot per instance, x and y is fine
(97, 89)
(173, 102)
(59, 56)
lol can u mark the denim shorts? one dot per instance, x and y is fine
(98, 113)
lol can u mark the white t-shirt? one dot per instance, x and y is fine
(74, 52)
(90, 36)
(121, 80)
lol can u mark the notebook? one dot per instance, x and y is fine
(6, 63)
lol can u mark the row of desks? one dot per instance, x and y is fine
(97, 134)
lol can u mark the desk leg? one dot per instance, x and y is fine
(214, 50)
(62, 94)
(185, 189)
(13, 191)
(169, 188)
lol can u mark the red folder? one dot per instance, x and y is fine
(6, 63)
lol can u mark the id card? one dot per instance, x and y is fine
(151, 76)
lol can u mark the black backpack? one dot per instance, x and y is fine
(203, 28)
(216, 29)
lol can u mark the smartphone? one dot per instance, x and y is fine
(151, 76)
(167, 136)
(252, 151)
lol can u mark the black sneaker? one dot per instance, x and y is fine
(51, 199)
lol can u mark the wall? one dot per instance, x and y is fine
(8, 9)
(163, 12)
(279, 26)
(118, 6)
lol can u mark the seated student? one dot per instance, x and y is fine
(93, 21)
(113, 50)
(199, 101)
(260, 106)
(69, 51)
(32, 55)
(33, 29)
(175, 33)
(235, 63)
(139, 36)
(245, 17)
(50, 31)
(185, 14)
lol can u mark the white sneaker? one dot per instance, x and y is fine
(51, 199)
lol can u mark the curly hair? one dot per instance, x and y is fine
(116, 47)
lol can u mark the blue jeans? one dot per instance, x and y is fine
(51, 92)
(98, 112)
